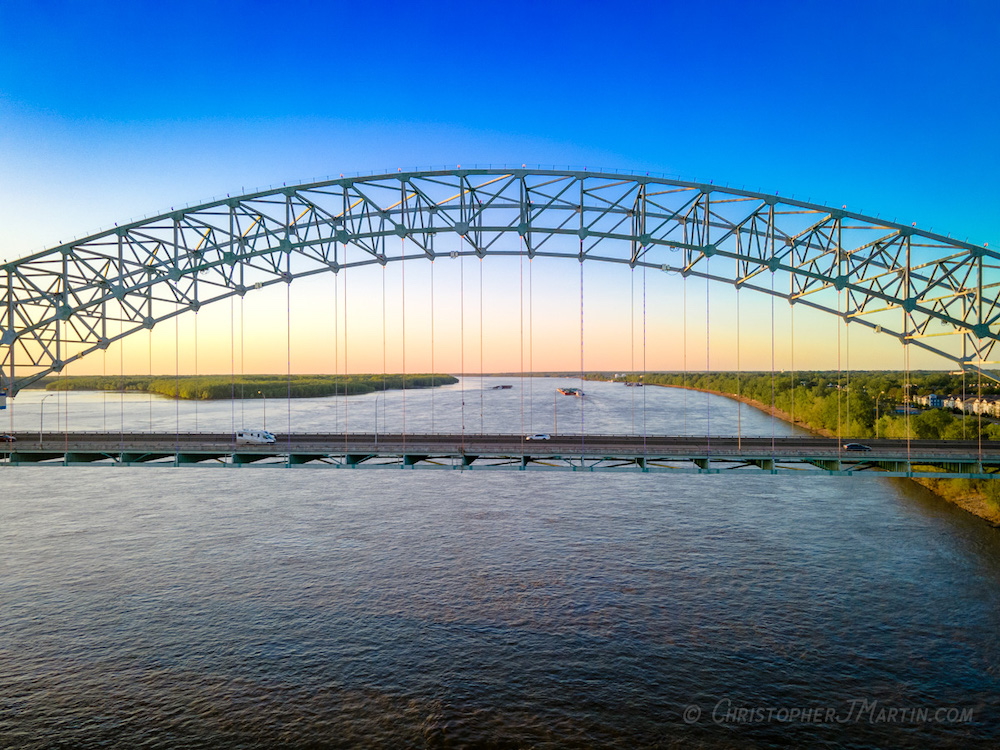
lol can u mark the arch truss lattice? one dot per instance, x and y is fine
(924, 289)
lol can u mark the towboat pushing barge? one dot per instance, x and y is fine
(570, 392)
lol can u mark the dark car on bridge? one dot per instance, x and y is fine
(856, 447)
(8, 439)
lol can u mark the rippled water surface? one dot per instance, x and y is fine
(309, 608)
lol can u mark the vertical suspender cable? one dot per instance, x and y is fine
(643, 364)
(531, 348)
(10, 416)
(582, 441)
(979, 398)
(840, 245)
(792, 323)
(774, 400)
(979, 358)
(461, 296)
(288, 334)
(707, 218)
(631, 328)
(432, 345)
(121, 377)
(773, 404)
(583, 430)
(346, 370)
(739, 400)
(232, 367)
(520, 269)
(402, 271)
(482, 428)
(60, 397)
(288, 354)
(62, 375)
(977, 404)
(104, 389)
(962, 409)
(196, 369)
(384, 392)
(791, 318)
(847, 361)
(906, 386)
(243, 419)
(177, 379)
(66, 412)
(839, 370)
(243, 369)
(149, 388)
(336, 357)
(708, 358)
(906, 358)
(684, 338)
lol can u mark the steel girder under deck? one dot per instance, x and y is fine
(924, 289)
(968, 468)
(494, 453)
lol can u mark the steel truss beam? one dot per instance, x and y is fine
(923, 289)
(797, 461)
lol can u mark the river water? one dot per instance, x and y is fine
(214, 608)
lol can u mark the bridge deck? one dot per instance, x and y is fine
(617, 453)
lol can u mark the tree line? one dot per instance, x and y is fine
(859, 404)
(217, 387)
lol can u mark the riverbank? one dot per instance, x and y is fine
(222, 387)
(771, 411)
(970, 495)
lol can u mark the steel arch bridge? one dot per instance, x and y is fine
(921, 288)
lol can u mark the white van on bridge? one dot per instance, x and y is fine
(249, 437)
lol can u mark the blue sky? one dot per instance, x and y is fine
(110, 111)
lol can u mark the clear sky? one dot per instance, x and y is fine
(111, 110)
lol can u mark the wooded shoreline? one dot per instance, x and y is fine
(976, 496)
(220, 387)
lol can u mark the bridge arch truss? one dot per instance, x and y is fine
(924, 289)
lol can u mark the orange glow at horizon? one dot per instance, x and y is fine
(531, 321)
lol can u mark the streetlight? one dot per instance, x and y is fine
(877, 398)
(41, 417)
(259, 393)
(555, 412)
(376, 417)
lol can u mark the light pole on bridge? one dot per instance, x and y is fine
(376, 417)
(261, 394)
(877, 398)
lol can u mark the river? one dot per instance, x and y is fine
(211, 608)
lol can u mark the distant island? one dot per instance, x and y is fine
(218, 387)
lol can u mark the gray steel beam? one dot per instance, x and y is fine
(61, 304)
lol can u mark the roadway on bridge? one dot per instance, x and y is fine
(510, 444)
